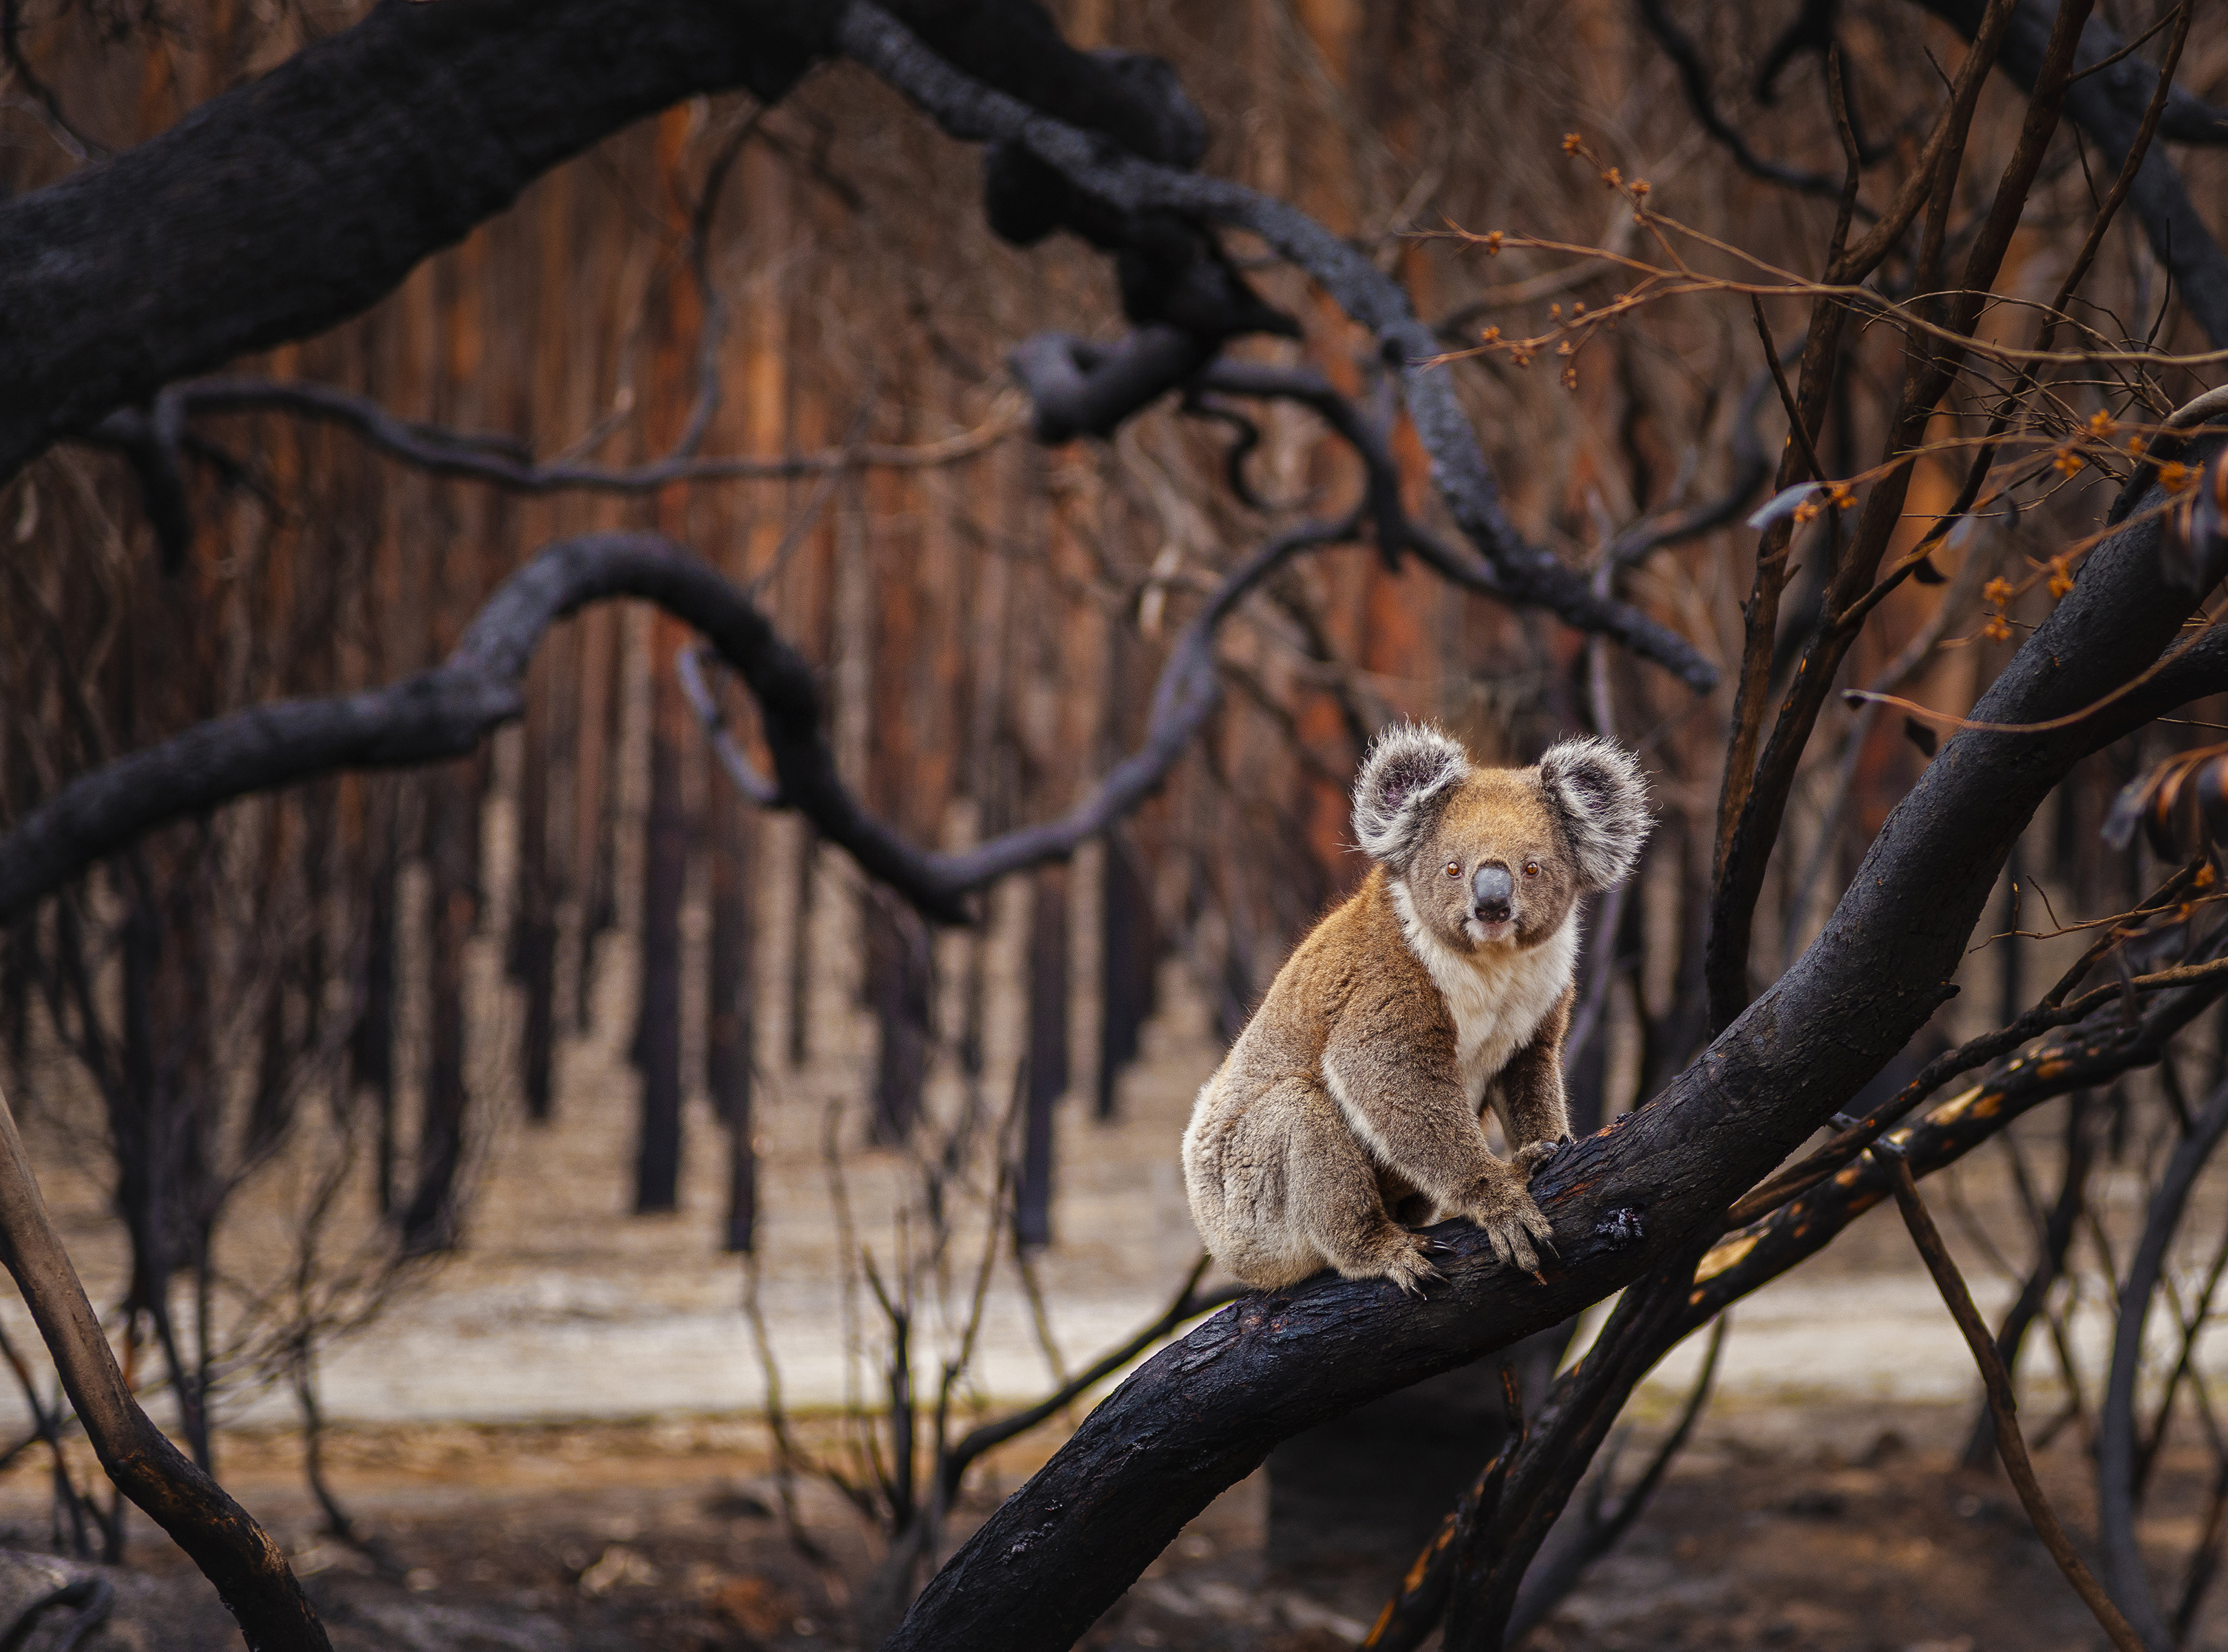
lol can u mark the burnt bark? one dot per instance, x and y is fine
(1047, 1074)
(1128, 957)
(731, 842)
(665, 873)
(430, 1219)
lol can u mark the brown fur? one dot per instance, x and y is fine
(1348, 1100)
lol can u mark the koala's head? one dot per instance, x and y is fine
(1496, 856)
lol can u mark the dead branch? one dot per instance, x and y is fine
(2119, 1468)
(448, 710)
(1694, 83)
(499, 459)
(236, 1554)
(2011, 1444)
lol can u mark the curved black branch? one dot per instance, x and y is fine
(494, 457)
(1694, 82)
(969, 109)
(1204, 1411)
(1082, 389)
(447, 711)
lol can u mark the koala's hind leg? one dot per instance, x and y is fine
(1335, 1200)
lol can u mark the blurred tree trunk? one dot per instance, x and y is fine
(533, 951)
(596, 795)
(1048, 1054)
(1129, 950)
(732, 837)
(371, 1041)
(665, 870)
(431, 1219)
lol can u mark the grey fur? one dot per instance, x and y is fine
(1410, 767)
(1601, 798)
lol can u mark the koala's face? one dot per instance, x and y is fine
(1496, 857)
(1493, 867)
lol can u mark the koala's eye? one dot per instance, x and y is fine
(1453, 870)
(1531, 868)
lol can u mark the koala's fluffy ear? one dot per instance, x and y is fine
(1410, 767)
(1598, 791)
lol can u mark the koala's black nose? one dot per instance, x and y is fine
(1492, 887)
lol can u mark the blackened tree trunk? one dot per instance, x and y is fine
(900, 985)
(595, 798)
(1047, 1055)
(1129, 954)
(731, 840)
(665, 871)
(431, 1219)
(371, 1041)
(533, 961)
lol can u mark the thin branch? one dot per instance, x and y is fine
(2118, 1471)
(236, 1554)
(2011, 1444)
(1694, 82)
(501, 460)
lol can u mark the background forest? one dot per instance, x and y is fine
(421, 1129)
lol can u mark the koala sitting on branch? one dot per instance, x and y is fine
(1351, 1107)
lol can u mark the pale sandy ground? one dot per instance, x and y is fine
(561, 1307)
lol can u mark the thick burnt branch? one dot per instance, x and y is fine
(288, 205)
(1204, 1411)
(1528, 575)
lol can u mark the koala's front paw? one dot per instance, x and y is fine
(1529, 1159)
(1511, 1222)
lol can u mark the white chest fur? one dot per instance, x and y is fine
(1497, 996)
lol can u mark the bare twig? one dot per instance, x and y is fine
(2011, 1444)
(236, 1554)
(2118, 1470)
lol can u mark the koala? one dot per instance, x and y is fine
(1350, 1109)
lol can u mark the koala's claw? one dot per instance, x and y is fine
(1511, 1226)
(1529, 1158)
(1412, 1272)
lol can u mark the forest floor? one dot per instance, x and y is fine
(1847, 1530)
